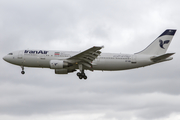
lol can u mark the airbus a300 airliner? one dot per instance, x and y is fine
(64, 62)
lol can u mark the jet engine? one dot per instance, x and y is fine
(63, 71)
(59, 64)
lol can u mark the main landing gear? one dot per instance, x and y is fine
(81, 75)
(22, 72)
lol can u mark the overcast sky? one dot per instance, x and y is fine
(122, 26)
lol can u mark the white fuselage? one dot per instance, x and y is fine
(106, 61)
(64, 62)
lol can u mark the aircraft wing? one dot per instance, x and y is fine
(87, 56)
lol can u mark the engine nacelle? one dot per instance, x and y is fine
(59, 64)
(63, 71)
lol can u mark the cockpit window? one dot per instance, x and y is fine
(10, 54)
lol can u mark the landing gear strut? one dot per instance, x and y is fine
(22, 72)
(81, 74)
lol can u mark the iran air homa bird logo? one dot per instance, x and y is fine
(162, 43)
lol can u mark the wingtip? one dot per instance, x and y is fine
(99, 46)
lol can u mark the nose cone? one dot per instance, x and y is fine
(6, 58)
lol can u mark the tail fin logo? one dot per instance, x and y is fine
(162, 43)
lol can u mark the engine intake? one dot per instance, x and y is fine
(59, 64)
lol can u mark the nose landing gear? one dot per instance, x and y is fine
(22, 72)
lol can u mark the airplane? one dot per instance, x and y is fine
(64, 62)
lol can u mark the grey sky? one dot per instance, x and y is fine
(126, 26)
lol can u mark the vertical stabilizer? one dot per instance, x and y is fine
(160, 45)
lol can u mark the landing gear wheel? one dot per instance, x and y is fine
(80, 77)
(78, 74)
(85, 77)
(22, 72)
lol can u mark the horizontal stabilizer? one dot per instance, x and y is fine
(161, 57)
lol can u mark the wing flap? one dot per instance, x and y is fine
(85, 59)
